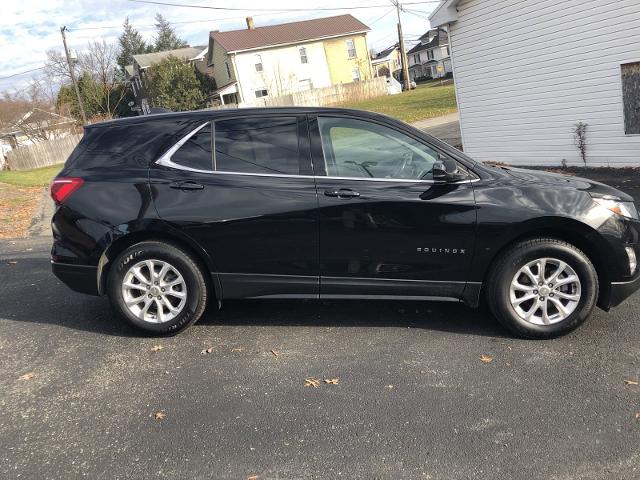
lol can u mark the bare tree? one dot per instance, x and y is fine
(99, 62)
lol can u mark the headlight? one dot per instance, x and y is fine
(625, 209)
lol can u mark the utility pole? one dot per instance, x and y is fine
(73, 75)
(403, 53)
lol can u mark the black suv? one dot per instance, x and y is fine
(168, 213)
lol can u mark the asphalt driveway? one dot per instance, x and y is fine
(413, 399)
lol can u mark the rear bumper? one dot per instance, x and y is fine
(81, 278)
(620, 291)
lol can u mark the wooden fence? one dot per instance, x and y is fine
(322, 97)
(42, 154)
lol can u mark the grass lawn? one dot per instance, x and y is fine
(427, 101)
(39, 177)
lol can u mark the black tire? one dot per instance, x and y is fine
(194, 278)
(510, 262)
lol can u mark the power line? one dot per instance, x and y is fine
(380, 18)
(21, 73)
(274, 9)
(212, 20)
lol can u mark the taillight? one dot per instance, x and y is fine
(62, 187)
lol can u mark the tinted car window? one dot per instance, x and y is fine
(257, 145)
(196, 152)
(356, 148)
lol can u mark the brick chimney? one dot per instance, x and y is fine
(250, 24)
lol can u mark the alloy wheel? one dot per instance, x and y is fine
(154, 291)
(545, 291)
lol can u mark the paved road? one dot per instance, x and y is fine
(446, 128)
(413, 401)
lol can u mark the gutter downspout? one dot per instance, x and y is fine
(455, 82)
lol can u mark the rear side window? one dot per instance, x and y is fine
(196, 152)
(257, 145)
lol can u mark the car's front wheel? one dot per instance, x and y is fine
(157, 287)
(542, 288)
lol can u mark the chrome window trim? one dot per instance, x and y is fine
(165, 161)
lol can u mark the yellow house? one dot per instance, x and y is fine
(280, 59)
(348, 58)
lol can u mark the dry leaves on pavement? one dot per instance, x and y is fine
(207, 350)
(486, 358)
(160, 415)
(311, 382)
(630, 382)
(253, 477)
(332, 381)
(238, 349)
(156, 348)
(275, 353)
(27, 376)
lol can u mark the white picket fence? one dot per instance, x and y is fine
(322, 97)
(42, 154)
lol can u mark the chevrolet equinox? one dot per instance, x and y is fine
(168, 213)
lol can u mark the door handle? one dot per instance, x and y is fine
(187, 185)
(342, 193)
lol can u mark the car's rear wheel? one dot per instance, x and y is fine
(157, 287)
(542, 288)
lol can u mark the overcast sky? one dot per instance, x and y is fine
(28, 28)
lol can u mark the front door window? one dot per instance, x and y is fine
(359, 149)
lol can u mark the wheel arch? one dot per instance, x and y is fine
(585, 238)
(200, 256)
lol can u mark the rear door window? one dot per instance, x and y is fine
(264, 145)
(196, 151)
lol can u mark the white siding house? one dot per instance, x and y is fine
(280, 71)
(528, 71)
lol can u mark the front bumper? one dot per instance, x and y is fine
(81, 278)
(620, 291)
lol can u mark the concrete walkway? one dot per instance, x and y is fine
(446, 128)
(41, 223)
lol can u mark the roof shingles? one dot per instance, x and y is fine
(294, 32)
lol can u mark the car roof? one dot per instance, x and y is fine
(243, 111)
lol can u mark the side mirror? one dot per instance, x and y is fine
(439, 172)
(447, 171)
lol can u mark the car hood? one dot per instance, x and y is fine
(567, 181)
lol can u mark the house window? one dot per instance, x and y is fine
(631, 97)
(351, 48)
(430, 55)
(258, 63)
(303, 55)
(416, 58)
(448, 51)
(262, 92)
(355, 74)
(226, 66)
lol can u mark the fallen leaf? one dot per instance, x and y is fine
(238, 349)
(332, 381)
(156, 348)
(253, 477)
(630, 382)
(207, 350)
(486, 358)
(311, 382)
(27, 376)
(160, 415)
(275, 353)
(389, 386)
(637, 415)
